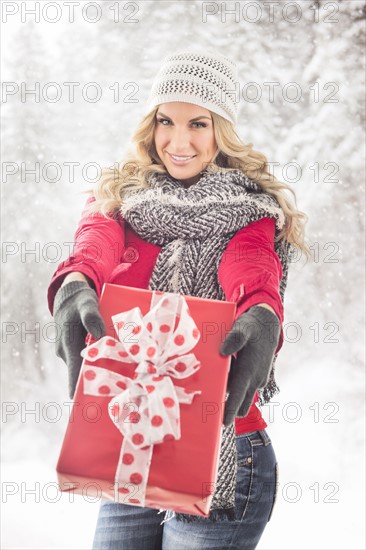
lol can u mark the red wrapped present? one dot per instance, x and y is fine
(146, 423)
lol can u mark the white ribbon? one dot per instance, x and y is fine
(145, 408)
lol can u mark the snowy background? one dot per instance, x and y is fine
(317, 422)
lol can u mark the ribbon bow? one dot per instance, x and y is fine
(145, 408)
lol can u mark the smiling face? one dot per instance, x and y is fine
(184, 140)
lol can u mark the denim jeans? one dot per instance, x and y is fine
(127, 527)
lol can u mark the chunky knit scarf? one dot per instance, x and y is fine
(194, 226)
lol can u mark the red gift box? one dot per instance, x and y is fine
(181, 472)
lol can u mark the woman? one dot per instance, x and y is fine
(192, 210)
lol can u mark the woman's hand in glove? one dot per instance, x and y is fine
(76, 312)
(254, 336)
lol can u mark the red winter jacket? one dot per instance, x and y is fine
(109, 251)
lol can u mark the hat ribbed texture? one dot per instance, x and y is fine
(206, 79)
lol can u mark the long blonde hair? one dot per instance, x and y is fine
(232, 154)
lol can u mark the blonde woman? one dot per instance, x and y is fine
(192, 210)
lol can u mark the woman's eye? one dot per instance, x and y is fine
(162, 120)
(200, 124)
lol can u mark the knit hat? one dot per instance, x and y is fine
(206, 79)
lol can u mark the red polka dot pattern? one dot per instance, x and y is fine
(89, 374)
(120, 325)
(104, 390)
(123, 353)
(168, 437)
(93, 352)
(150, 352)
(137, 439)
(110, 343)
(195, 333)
(128, 458)
(149, 327)
(136, 329)
(121, 384)
(164, 328)
(136, 478)
(134, 417)
(123, 490)
(150, 388)
(179, 340)
(134, 350)
(180, 367)
(168, 402)
(151, 369)
(156, 420)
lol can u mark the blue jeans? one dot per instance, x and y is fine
(125, 527)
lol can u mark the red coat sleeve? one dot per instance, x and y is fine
(250, 271)
(98, 248)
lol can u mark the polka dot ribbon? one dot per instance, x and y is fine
(144, 408)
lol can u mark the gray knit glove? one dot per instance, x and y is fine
(76, 312)
(254, 336)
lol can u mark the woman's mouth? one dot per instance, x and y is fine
(181, 160)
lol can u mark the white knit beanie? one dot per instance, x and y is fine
(206, 79)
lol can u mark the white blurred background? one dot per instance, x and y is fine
(311, 48)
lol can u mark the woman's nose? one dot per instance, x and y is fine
(179, 140)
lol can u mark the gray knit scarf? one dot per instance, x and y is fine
(194, 226)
